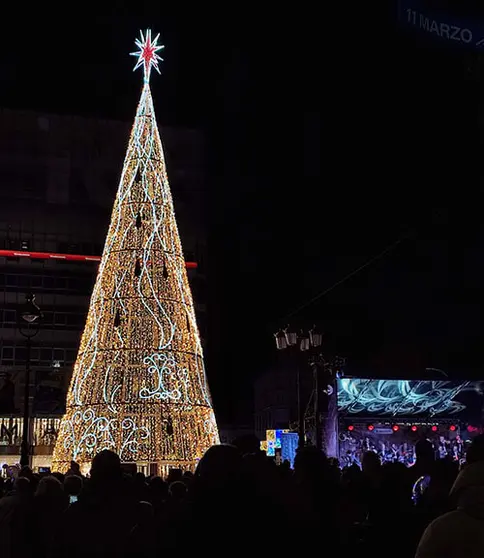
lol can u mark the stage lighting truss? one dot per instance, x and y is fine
(407, 426)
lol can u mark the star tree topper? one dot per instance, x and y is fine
(147, 53)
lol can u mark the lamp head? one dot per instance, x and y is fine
(316, 337)
(281, 342)
(291, 336)
(31, 312)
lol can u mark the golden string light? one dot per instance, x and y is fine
(139, 386)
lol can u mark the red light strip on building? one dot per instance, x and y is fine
(64, 257)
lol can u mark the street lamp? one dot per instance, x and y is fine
(309, 343)
(30, 315)
(315, 340)
(316, 337)
(304, 344)
(281, 342)
(289, 338)
(331, 370)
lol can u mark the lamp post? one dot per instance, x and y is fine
(290, 339)
(331, 369)
(315, 341)
(29, 327)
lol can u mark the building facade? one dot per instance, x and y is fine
(58, 179)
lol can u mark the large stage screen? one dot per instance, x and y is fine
(360, 397)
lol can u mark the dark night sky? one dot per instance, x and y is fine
(329, 139)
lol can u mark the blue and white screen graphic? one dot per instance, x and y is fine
(358, 396)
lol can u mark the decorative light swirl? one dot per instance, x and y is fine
(94, 433)
(400, 397)
(99, 432)
(134, 436)
(164, 368)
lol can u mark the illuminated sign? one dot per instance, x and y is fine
(289, 443)
(273, 441)
(65, 257)
(440, 25)
(358, 396)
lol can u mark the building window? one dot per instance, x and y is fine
(46, 355)
(7, 353)
(34, 354)
(23, 281)
(59, 319)
(47, 318)
(72, 320)
(71, 355)
(58, 354)
(9, 316)
(20, 355)
(49, 283)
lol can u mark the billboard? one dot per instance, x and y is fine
(440, 25)
(410, 398)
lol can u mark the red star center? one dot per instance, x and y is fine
(148, 55)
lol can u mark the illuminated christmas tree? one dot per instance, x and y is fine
(139, 386)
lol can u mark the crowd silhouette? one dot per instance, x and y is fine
(241, 502)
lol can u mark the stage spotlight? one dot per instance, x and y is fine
(472, 429)
(452, 427)
(395, 428)
(413, 428)
(434, 428)
(371, 427)
(351, 428)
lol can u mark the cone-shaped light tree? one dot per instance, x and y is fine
(139, 386)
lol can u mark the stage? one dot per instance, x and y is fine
(389, 417)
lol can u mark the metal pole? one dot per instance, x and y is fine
(331, 426)
(25, 446)
(334, 383)
(317, 411)
(300, 413)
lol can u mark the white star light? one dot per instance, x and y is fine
(147, 53)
